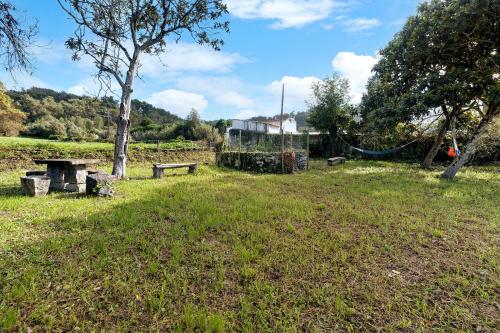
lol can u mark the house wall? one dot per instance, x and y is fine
(290, 126)
(247, 125)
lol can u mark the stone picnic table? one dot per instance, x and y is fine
(67, 174)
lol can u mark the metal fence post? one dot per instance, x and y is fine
(239, 149)
(307, 150)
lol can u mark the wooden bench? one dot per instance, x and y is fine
(158, 168)
(336, 160)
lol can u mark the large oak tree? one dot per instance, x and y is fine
(115, 33)
(446, 58)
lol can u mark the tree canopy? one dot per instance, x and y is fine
(330, 110)
(445, 57)
(115, 33)
(11, 118)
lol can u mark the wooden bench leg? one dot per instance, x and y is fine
(157, 172)
(192, 168)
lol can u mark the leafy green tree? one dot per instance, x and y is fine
(114, 34)
(11, 118)
(445, 58)
(142, 110)
(222, 125)
(330, 110)
(47, 127)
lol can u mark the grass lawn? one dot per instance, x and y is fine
(366, 246)
(69, 146)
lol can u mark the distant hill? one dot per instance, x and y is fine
(61, 115)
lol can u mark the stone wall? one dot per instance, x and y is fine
(262, 162)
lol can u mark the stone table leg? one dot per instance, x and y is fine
(192, 168)
(56, 174)
(157, 172)
(75, 176)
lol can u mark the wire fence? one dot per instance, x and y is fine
(251, 141)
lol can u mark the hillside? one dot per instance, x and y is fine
(61, 115)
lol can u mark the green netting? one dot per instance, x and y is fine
(250, 141)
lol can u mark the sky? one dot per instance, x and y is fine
(295, 42)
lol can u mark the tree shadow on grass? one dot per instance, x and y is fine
(11, 191)
(136, 265)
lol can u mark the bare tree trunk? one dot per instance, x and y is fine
(333, 141)
(471, 147)
(123, 128)
(121, 141)
(438, 140)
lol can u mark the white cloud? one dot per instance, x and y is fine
(22, 80)
(90, 86)
(49, 52)
(79, 89)
(183, 57)
(355, 68)
(285, 13)
(361, 24)
(178, 102)
(225, 90)
(297, 91)
(246, 114)
(209, 84)
(232, 98)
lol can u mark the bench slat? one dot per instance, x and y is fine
(174, 166)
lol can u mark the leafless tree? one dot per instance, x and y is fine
(115, 33)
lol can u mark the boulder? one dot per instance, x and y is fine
(336, 160)
(100, 184)
(106, 192)
(35, 186)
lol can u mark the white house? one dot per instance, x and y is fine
(267, 126)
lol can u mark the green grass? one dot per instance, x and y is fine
(366, 246)
(17, 142)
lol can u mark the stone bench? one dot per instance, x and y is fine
(100, 183)
(159, 168)
(336, 160)
(35, 185)
(36, 173)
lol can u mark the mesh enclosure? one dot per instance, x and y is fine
(251, 141)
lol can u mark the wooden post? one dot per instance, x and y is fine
(239, 148)
(281, 130)
(239, 142)
(291, 140)
(307, 150)
(158, 146)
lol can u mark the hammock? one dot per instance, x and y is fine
(454, 140)
(390, 150)
(381, 152)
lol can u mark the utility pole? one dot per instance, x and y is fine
(281, 130)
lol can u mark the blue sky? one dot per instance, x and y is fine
(271, 41)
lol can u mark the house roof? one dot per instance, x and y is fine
(272, 122)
